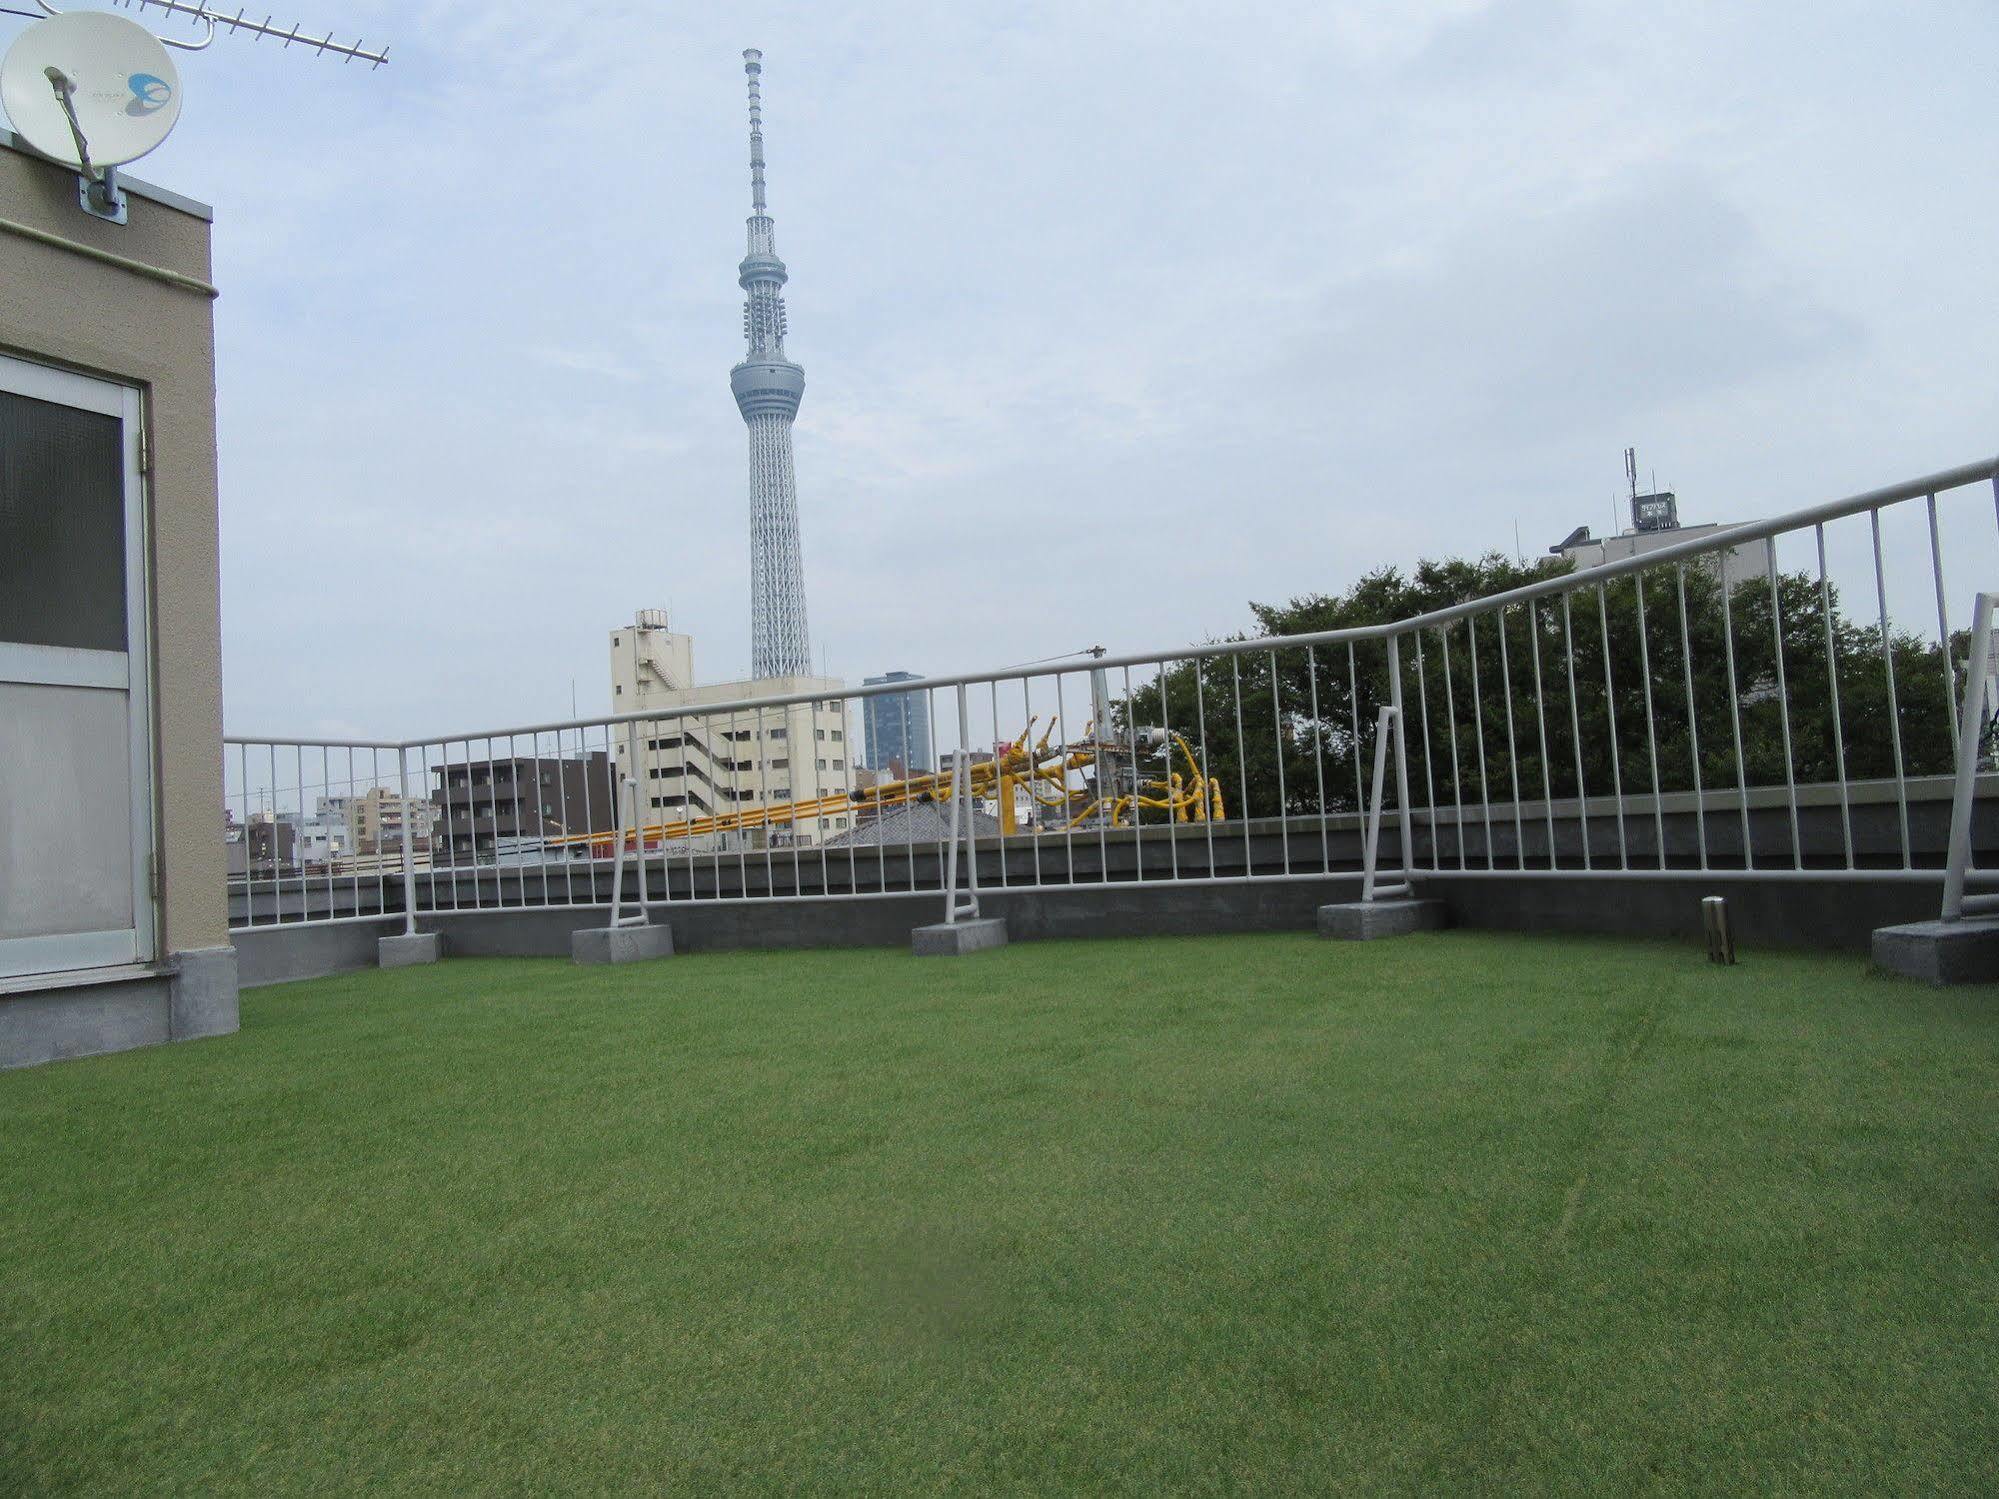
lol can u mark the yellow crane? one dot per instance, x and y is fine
(1044, 771)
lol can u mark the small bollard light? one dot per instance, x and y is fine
(1714, 921)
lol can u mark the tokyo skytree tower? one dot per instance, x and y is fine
(767, 387)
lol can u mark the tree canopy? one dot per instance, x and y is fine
(1659, 680)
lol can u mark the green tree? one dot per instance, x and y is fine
(1641, 683)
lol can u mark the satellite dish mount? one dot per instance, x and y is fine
(97, 189)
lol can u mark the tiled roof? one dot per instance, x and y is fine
(918, 822)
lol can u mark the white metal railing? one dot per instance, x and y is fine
(1743, 705)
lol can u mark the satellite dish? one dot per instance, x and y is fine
(112, 73)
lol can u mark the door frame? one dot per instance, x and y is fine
(130, 670)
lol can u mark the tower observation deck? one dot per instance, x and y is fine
(767, 387)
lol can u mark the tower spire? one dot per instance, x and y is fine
(753, 65)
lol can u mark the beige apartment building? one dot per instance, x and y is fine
(380, 819)
(708, 764)
(113, 868)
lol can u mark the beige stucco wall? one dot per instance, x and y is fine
(60, 308)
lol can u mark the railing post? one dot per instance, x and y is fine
(638, 822)
(618, 918)
(971, 823)
(1100, 722)
(1971, 723)
(961, 803)
(409, 837)
(958, 790)
(1370, 849)
(1389, 722)
(1402, 754)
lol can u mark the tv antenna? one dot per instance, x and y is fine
(93, 91)
(213, 16)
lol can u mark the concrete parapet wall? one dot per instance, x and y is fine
(1839, 914)
(1834, 914)
(279, 954)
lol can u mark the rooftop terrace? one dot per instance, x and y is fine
(1230, 1212)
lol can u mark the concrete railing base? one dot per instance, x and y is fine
(953, 939)
(621, 944)
(1940, 952)
(407, 951)
(1363, 921)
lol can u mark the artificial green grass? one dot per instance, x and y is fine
(1254, 1213)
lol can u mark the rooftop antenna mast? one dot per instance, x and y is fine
(1656, 510)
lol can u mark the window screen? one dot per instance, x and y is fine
(62, 526)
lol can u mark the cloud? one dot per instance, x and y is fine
(1586, 314)
(1113, 317)
(1494, 42)
(586, 362)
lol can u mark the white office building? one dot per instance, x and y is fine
(710, 764)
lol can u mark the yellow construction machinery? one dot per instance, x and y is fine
(1082, 784)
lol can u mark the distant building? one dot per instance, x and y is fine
(1739, 564)
(380, 819)
(323, 839)
(499, 811)
(326, 836)
(704, 764)
(272, 846)
(1655, 523)
(897, 726)
(867, 780)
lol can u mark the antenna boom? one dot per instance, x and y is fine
(201, 10)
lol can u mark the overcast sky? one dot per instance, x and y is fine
(1113, 316)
